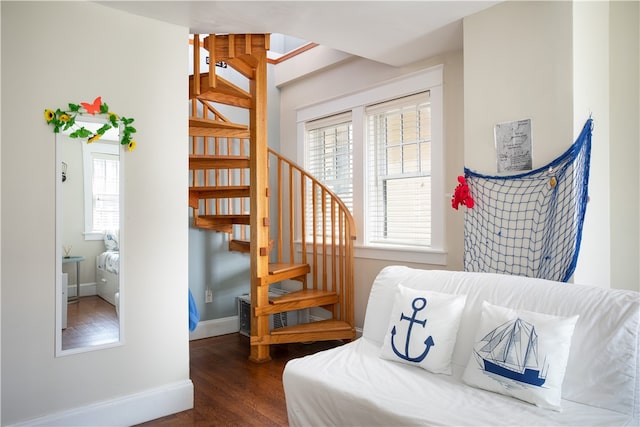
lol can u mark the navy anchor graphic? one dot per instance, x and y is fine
(418, 304)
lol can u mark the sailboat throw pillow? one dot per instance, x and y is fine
(422, 329)
(522, 354)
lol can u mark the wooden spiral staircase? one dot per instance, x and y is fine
(266, 204)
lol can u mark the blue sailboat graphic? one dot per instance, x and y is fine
(511, 351)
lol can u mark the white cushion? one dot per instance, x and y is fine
(521, 354)
(422, 329)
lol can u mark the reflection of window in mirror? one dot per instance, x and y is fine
(101, 189)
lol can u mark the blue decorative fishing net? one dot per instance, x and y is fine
(530, 224)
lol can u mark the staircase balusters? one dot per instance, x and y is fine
(332, 247)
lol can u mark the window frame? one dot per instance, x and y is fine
(88, 151)
(379, 156)
(425, 80)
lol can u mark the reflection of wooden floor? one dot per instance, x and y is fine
(90, 321)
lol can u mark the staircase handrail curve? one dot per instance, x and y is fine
(348, 216)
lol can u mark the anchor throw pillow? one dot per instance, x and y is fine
(422, 329)
(522, 354)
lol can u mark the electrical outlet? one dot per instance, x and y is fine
(208, 296)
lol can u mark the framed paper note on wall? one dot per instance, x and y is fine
(513, 146)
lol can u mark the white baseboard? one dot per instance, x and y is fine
(215, 327)
(230, 325)
(86, 289)
(124, 411)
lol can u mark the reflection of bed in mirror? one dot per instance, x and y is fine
(108, 269)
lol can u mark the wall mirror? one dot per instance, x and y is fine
(89, 236)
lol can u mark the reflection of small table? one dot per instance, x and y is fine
(77, 260)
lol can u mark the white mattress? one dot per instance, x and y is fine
(328, 388)
(109, 261)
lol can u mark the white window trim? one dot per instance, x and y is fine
(424, 80)
(87, 151)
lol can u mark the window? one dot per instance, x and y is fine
(380, 150)
(106, 209)
(329, 158)
(102, 189)
(399, 172)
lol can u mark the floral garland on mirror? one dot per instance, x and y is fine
(66, 119)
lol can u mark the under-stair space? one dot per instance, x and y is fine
(294, 229)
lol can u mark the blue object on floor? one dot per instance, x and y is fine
(194, 316)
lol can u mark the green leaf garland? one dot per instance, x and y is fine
(64, 120)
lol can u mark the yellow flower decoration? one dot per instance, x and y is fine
(65, 120)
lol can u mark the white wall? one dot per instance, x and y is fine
(517, 65)
(624, 44)
(557, 62)
(591, 94)
(0, 219)
(54, 53)
(349, 76)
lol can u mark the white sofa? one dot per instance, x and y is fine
(351, 385)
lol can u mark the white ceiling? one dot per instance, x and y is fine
(392, 32)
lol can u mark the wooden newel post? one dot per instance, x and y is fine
(259, 207)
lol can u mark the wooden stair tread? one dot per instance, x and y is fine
(301, 295)
(220, 192)
(240, 246)
(199, 162)
(322, 330)
(224, 92)
(204, 220)
(244, 246)
(216, 128)
(241, 219)
(283, 271)
(319, 326)
(276, 268)
(298, 300)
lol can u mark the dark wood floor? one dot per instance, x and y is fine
(90, 321)
(229, 390)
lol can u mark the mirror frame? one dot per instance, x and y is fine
(59, 352)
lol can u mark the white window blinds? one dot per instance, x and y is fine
(329, 156)
(399, 171)
(105, 186)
